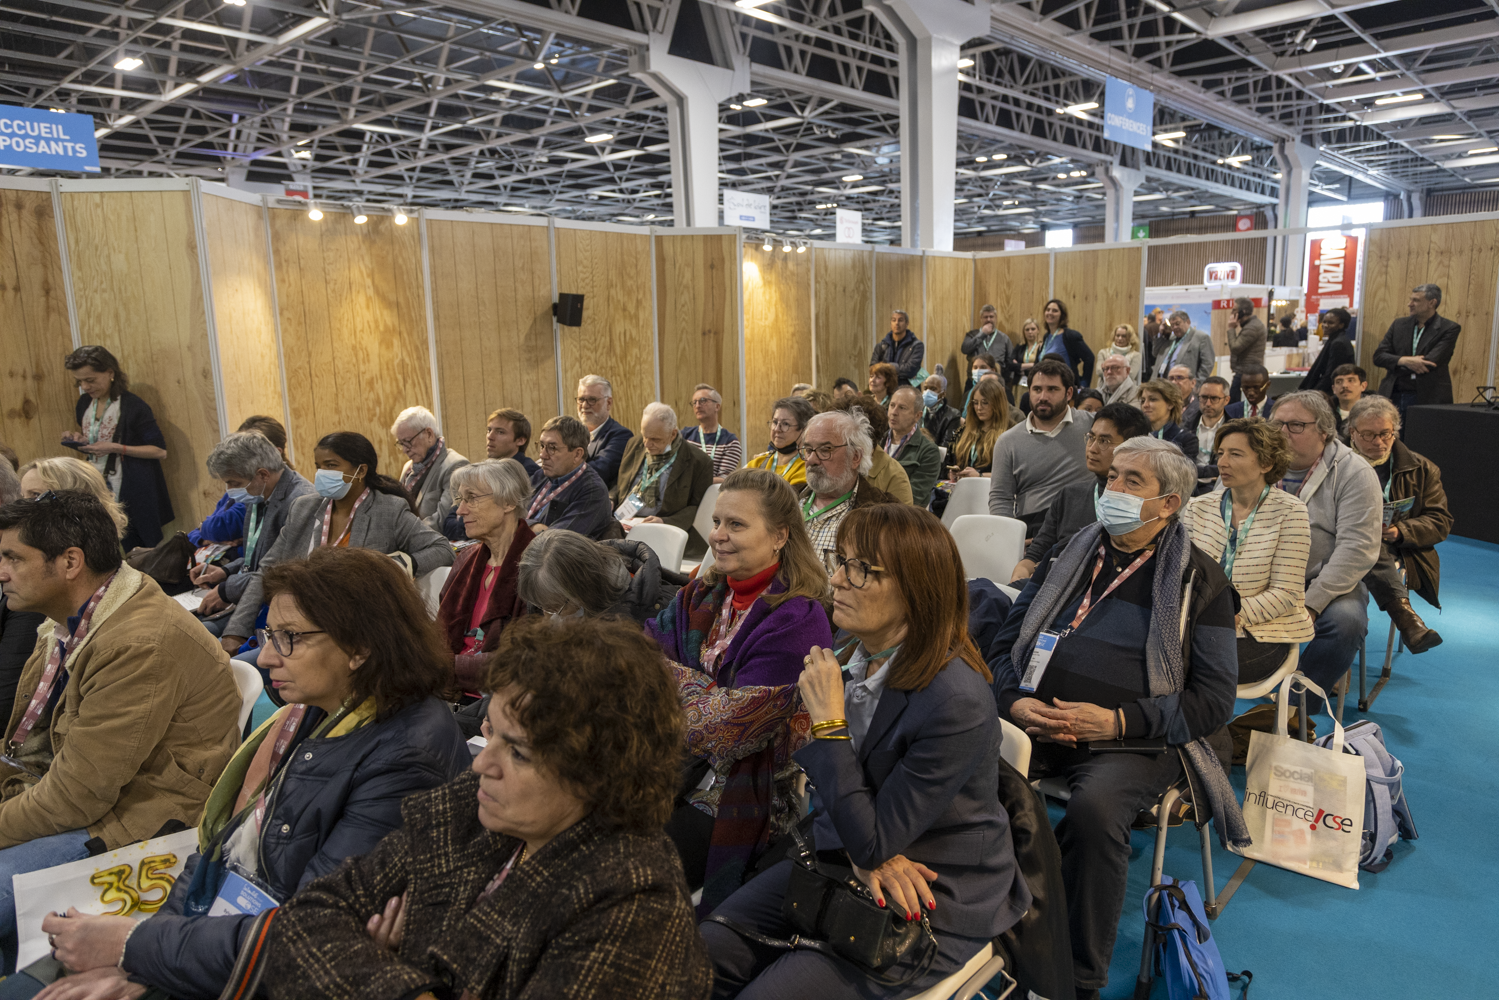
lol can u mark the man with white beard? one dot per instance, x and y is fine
(838, 450)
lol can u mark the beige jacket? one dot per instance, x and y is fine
(888, 474)
(147, 720)
(1270, 569)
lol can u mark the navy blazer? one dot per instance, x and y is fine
(606, 449)
(925, 784)
(1235, 411)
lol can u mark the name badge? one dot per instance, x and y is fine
(238, 896)
(629, 508)
(1046, 644)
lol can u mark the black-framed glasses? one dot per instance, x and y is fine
(1294, 426)
(855, 571)
(824, 452)
(282, 640)
(408, 442)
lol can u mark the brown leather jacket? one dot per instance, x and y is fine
(1428, 523)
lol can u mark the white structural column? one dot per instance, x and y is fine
(929, 33)
(1119, 187)
(1296, 160)
(693, 91)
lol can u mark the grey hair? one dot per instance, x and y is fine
(901, 313)
(661, 412)
(504, 479)
(562, 568)
(1173, 471)
(856, 434)
(986, 308)
(1373, 406)
(242, 453)
(418, 418)
(1432, 292)
(1182, 313)
(1316, 404)
(588, 380)
(10, 484)
(1243, 302)
(717, 396)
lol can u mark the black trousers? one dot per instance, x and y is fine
(1403, 398)
(1108, 792)
(1233, 389)
(1258, 660)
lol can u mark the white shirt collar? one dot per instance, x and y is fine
(1032, 428)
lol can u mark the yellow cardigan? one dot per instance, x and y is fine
(1270, 569)
(795, 473)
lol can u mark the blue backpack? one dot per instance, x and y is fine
(1387, 816)
(1185, 955)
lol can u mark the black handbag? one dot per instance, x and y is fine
(834, 913)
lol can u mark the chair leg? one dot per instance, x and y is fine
(1342, 692)
(1157, 862)
(1384, 675)
(1209, 888)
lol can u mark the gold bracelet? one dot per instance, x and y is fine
(829, 724)
(822, 736)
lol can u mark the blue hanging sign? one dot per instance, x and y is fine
(36, 139)
(1128, 113)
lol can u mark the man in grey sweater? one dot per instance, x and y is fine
(1345, 506)
(1035, 459)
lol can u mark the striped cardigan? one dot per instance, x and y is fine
(1270, 570)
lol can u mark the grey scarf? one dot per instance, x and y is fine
(1163, 650)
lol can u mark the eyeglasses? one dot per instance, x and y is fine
(52, 497)
(824, 452)
(1210, 399)
(282, 640)
(408, 442)
(1372, 436)
(1090, 439)
(704, 401)
(590, 400)
(472, 499)
(1295, 427)
(553, 449)
(781, 425)
(855, 571)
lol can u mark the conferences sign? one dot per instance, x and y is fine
(36, 139)
(1128, 113)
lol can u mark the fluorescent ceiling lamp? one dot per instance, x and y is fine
(755, 102)
(128, 63)
(301, 154)
(1014, 211)
(866, 189)
(1483, 149)
(750, 4)
(1199, 208)
(1162, 136)
(851, 178)
(1447, 137)
(980, 159)
(1016, 169)
(1241, 158)
(964, 63)
(1400, 98)
(309, 25)
(235, 3)
(599, 137)
(1073, 109)
(514, 208)
(1148, 197)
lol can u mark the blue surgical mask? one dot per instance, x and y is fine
(330, 483)
(237, 495)
(250, 498)
(930, 397)
(1120, 512)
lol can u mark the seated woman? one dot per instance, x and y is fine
(788, 421)
(355, 507)
(737, 635)
(58, 474)
(1261, 536)
(1161, 402)
(363, 668)
(904, 759)
(480, 597)
(883, 380)
(987, 418)
(544, 873)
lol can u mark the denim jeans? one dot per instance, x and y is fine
(1341, 629)
(32, 856)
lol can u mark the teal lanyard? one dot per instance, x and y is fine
(94, 420)
(877, 656)
(1416, 338)
(1389, 482)
(641, 482)
(257, 518)
(1231, 550)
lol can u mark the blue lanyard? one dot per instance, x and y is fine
(1231, 550)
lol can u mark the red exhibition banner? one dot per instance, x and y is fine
(1331, 267)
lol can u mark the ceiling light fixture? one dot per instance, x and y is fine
(1400, 98)
(1483, 149)
(539, 66)
(851, 178)
(980, 159)
(128, 63)
(301, 154)
(766, 245)
(736, 107)
(1073, 109)
(750, 4)
(314, 213)
(359, 217)
(786, 246)
(964, 63)
(1163, 136)
(235, 3)
(400, 217)
(755, 102)
(599, 137)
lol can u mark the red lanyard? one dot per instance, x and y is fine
(289, 727)
(61, 650)
(1087, 605)
(724, 630)
(328, 520)
(546, 496)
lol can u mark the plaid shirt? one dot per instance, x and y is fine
(823, 528)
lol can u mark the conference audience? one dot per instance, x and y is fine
(821, 401)
(843, 388)
(1161, 402)
(1186, 345)
(480, 596)
(1350, 383)
(882, 382)
(1187, 386)
(1088, 400)
(17, 628)
(1261, 537)
(1246, 340)
(901, 349)
(58, 474)
(1337, 351)
(885, 473)
(989, 339)
(1076, 504)
(1122, 672)
(905, 764)
(507, 434)
(363, 672)
(1065, 342)
(607, 437)
(1254, 387)
(1212, 398)
(1415, 353)
(662, 479)
(910, 446)
(1124, 343)
(226, 526)
(987, 418)
(430, 464)
(1343, 504)
(126, 712)
(544, 872)
(839, 450)
(981, 367)
(1117, 381)
(1416, 518)
(736, 635)
(354, 506)
(1035, 459)
(788, 421)
(938, 419)
(720, 444)
(120, 439)
(255, 475)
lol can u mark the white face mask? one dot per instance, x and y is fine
(1120, 512)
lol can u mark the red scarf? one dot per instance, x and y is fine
(745, 591)
(466, 580)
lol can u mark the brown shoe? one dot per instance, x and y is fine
(1413, 631)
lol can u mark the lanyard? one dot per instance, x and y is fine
(973, 454)
(775, 457)
(95, 418)
(1389, 482)
(544, 497)
(725, 627)
(256, 517)
(1416, 338)
(328, 520)
(1305, 479)
(711, 449)
(1087, 605)
(1166, 365)
(284, 735)
(641, 483)
(807, 514)
(1231, 550)
(61, 650)
(890, 439)
(1050, 339)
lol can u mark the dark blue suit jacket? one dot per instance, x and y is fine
(925, 784)
(606, 449)
(1235, 411)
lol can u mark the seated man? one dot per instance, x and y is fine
(885, 473)
(845, 388)
(938, 419)
(1035, 459)
(1350, 383)
(1117, 386)
(1415, 519)
(429, 464)
(662, 478)
(1181, 377)
(1075, 507)
(607, 437)
(838, 450)
(1212, 398)
(127, 709)
(1079, 665)
(17, 628)
(909, 445)
(1343, 504)
(256, 475)
(717, 441)
(506, 435)
(569, 493)
(227, 522)
(1254, 385)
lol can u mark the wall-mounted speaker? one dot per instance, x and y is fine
(568, 309)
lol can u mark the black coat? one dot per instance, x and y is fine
(908, 356)
(143, 486)
(17, 641)
(1437, 343)
(1336, 352)
(942, 423)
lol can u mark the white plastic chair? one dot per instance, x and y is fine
(969, 496)
(943, 452)
(668, 541)
(430, 587)
(1011, 592)
(975, 974)
(247, 679)
(702, 524)
(1016, 748)
(990, 546)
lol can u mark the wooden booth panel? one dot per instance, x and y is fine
(1101, 289)
(898, 284)
(1017, 286)
(612, 271)
(950, 313)
(139, 293)
(1183, 263)
(492, 313)
(243, 309)
(37, 394)
(353, 328)
(1462, 258)
(697, 311)
(777, 334)
(845, 317)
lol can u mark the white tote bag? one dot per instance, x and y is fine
(1304, 804)
(131, 882)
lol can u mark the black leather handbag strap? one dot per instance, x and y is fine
(797, 942)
